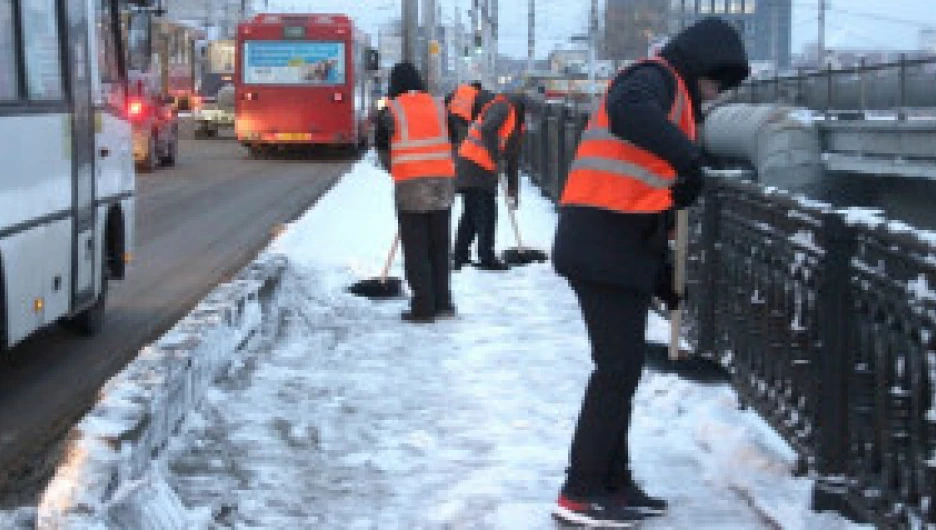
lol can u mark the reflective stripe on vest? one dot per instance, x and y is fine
(474, 149)
(420, 146)
(614, 174)
(463, 101)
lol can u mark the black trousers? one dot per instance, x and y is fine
(616, 319)
(426, 239)
(479, 217)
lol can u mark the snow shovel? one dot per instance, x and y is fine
(382, 287)
(519, 255)
(679, 282)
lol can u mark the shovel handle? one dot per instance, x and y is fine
(511, 213)
(390, 255)
(679, 282)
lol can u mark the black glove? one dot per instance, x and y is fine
(687, 188)
(664, 290)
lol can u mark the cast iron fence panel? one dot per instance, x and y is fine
(828, 329)
(766, 304)
(892, 446)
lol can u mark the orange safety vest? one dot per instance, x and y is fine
(420, 145)
(473, 147)
(463, 101)
(614, 174)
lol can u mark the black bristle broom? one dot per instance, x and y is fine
(384, 286)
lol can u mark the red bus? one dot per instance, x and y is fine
(302, 80)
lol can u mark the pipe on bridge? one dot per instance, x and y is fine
(780, 143)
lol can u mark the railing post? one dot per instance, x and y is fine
(828, 99)
(562, 148)
(543, 151)
(902, 88)
(833, 366)
(776, 87)
(862, 75)
(801, 98)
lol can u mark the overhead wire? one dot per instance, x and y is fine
(864, 14)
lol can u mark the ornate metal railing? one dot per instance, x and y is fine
(827, 326)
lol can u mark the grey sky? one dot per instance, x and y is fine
(887, 24)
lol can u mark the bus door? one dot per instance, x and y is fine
(83, 134)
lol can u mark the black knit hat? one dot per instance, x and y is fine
(404, 77)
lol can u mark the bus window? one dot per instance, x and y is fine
(294, 63)
(8, 77)
(43, 58)
(111, 87)
(138, 41)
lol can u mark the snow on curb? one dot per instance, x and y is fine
(106, 474)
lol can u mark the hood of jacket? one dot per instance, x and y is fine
(404, 77)
(710, 48)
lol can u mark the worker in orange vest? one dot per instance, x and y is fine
(463, 105)
(412, 141)
(637, 160)
(493, 144)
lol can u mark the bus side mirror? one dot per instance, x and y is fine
(371, 60)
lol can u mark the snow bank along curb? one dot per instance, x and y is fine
(139, 408)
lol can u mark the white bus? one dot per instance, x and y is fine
(66, 163)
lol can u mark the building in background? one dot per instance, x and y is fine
(219, 18)
(765, 24)
(634, 26)
(390, 44)
(630, 26)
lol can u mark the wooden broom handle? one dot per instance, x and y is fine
(510, 212)
(390, 255)
(679, 281)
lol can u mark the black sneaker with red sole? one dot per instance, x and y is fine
(603, 512)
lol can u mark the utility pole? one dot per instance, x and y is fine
(493, 13)
(775, 33)
(592, 35)
(430, 51)
(459, 46)
(531, 36)
(477, 40)
(822, 50)
(410, 23)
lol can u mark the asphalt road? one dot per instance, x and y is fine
(197, 224)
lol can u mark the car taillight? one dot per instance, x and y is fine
(339, 97)
(250, 96)
(135, 108)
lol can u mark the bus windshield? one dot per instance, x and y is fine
(294, 63)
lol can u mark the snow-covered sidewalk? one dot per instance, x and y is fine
(357, 420)
(352, 419)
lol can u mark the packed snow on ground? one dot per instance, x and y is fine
(355, 420)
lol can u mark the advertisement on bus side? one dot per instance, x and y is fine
(294, 63)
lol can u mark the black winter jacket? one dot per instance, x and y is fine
(472, 176)
(458, 127)
(628, 250)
